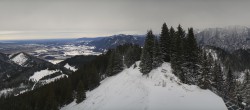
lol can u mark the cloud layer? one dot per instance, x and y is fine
(52, 18)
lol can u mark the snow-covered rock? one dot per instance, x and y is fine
(161, 90)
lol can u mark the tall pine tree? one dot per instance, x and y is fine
(157, 55)
(178, 60)
(132, 55)
(80, 92)
(205, 77)
(165, 43)
(115, 64)
(231, 84)
(172, 41)
(246, 89)
(218, 78)
(191, 58)
(147, 53)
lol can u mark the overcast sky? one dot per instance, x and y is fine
(42, 19)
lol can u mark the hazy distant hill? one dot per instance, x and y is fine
(105, 43)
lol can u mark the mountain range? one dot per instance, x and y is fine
(109, 42)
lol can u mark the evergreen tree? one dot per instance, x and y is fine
(147, 53)
(146, 63)
(157, 55)
(191, 58)
(94, 77)
(118, 63)
(218, 78)
(231, 84)
(115, 63)
(109, 70)
(50, 103)
(80, 92)
(178, 60)
(165, 42)
(172, 41)
(65, 89)
(246, 88)
(129, 60)
(205, 77)
(132, 55)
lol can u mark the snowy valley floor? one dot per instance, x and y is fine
(129, 90)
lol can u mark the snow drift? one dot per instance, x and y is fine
(161, 90)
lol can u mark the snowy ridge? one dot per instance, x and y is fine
(161, 90)
(40, 74)
(53, 79)
(20, 59)
(70, 67)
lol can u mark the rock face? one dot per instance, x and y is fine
(229, 38)
(16, 70)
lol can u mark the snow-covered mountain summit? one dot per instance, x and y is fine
(25, 60)
(161, 90)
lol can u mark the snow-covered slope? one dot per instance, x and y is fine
(70, 67)
(20, 59)
(161, 90)
(40, 74)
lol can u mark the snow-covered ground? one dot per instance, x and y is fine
(40, 74)
(161, 90)
(58, 53)
(72, 50)
(6, 91)
(70, 67)
(55, 61)
(46, 81)
(20, 59)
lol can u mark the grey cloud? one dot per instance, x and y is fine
(97, 17)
